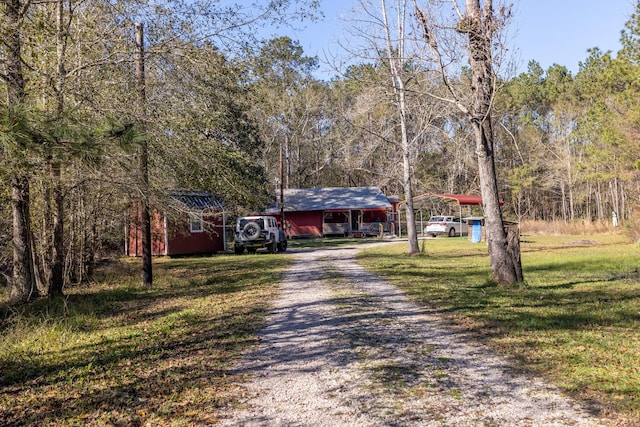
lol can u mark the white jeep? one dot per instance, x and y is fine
(254, 232)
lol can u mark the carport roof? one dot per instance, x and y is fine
(462, 199)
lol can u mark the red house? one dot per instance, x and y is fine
(192, 223)
(355, 211)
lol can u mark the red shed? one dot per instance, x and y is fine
(314, 212)
(192, 223)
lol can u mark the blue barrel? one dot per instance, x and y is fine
(476, 230)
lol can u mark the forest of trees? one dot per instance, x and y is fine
(220, 105)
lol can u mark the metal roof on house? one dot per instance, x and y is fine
(197, 200)
(334, 198)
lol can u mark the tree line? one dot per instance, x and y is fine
(223, 107)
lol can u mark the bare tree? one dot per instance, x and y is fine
(385, 36)
(475, 31)
(396, 56)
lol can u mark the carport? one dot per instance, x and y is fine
(427, 205)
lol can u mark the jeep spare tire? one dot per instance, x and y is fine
(251, 230)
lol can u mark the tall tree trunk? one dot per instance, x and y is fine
(143, 170)
(563, 198)
(13, 49)
(412, 233)
(56, 278)
(504, 266)
(395, 57)
(23, 285)
(622, 212)
(615, 195)
(599, 202)
(570, 183)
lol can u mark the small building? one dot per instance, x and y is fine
(190, 223)
(336, 211)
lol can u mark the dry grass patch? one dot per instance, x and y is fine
(578, 227)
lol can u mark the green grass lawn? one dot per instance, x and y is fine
(115, 353)
(576, 319)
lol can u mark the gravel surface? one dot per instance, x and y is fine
(344, 348)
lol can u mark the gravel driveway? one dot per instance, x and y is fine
(344, 348)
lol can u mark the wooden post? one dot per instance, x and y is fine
(282, 219)
(143, 171)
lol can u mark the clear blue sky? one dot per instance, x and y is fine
(561, 31)
(548, 31)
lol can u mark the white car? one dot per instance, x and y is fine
(446, 225)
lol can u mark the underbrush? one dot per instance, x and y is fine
(576, 319)
(568, 227)
(117, 353)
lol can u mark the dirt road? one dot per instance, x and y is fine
(345, 348)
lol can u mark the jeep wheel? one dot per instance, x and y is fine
(282, 246)
(271, 247)
(238, 249)
(452, 232)
(251, 230)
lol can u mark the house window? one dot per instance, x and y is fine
(195, 222)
